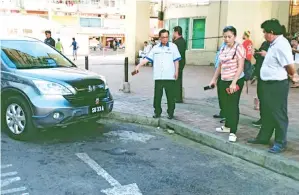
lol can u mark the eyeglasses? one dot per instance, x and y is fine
(228, 28)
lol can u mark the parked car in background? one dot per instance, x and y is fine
(41, 88)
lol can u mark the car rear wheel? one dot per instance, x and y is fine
(17, 119)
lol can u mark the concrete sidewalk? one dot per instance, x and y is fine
(196, 115)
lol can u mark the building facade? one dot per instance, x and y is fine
(203, 20)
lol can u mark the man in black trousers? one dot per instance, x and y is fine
(278, 67)
(181, 44)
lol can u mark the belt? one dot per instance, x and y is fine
(274, 81)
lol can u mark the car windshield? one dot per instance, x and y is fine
(24, 54)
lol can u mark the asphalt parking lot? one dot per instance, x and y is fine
(125, 159)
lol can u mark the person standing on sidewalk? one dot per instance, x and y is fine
(59, 46)
(75, 48)
(231, 67)
(276, 68)
(49, 40)
(259, 57)
(165, 58)
(181, 44)
(295, 44)
(219, 92)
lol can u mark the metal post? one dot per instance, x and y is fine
(126, 69)
(86, 62)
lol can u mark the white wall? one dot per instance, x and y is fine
(249, 18)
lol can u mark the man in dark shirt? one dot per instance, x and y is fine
(181, 44)
(258, 65)
(49, 40)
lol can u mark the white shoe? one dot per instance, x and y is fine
(232, 137)
(223, 129)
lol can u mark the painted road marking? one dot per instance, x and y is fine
(7, 179)
(117, 188)
(6, 166)
(13, 190)
(9, 174)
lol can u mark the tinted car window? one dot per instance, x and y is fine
(31, 54)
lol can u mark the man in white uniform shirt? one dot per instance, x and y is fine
(165, 58)
(276, 70)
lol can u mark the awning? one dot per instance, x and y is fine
(113, 35)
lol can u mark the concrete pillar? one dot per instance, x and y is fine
(137, 26)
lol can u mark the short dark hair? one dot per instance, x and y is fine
(273, 26)
(47, 32)
(178, 29)
(163, 31)
(74, 39)
(231, 29)
(295, 39)
(145, 42)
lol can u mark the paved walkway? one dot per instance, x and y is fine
(199, 105)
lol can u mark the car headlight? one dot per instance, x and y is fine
(51, 88)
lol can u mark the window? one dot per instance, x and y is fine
(20, 55)
(90, 22)
(184, 23)
(197, 28)
(172, 24)
(198, 33)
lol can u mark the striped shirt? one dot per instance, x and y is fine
(229, 61)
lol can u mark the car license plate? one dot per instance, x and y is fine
(97, 109)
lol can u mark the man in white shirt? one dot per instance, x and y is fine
(147, 48)
(277, 68)
(165, 58)
(295, 45)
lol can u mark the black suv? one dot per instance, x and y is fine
(41, 88)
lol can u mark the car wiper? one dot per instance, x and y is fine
(35, 67)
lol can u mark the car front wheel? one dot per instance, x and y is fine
(17, 118)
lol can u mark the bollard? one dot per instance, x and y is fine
(126, 69)
(86, 62)
(126, 84)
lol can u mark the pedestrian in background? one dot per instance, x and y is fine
(181, 44)
(59, 46)
(75, 48)
(165, 58)
(248, 46)
(219, 92)
(277, 66)
(231, 67)
(295, 49)
(49, 40)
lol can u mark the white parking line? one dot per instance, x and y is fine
(8, 181)
(6, 166)
(14, 190)
(98, 169)
(9, 174)
(117, 188)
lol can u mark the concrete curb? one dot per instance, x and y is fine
(262, 158)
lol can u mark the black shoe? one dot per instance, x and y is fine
(156, 116)
(257, 141)
(170, 116)
(217, 116)
(257, 123)
(223, 120)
